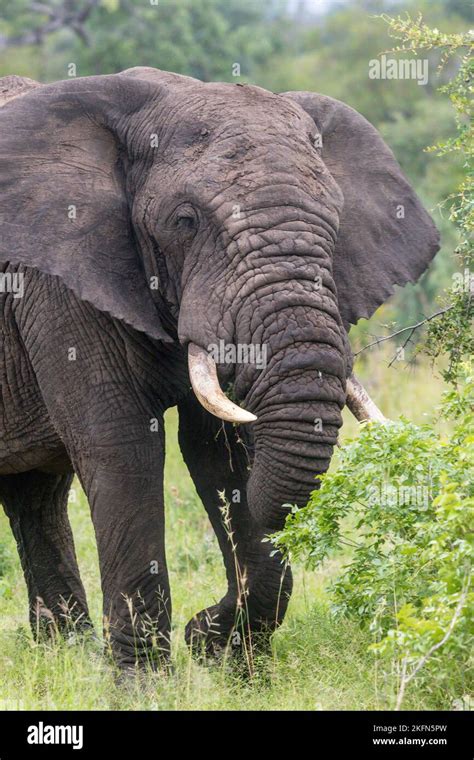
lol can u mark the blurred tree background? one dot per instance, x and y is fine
(321, 45)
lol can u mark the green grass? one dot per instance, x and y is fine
(316, 664)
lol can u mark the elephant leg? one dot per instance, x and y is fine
(219, 459)
(98, 381)
(124, 486)
(36, 505)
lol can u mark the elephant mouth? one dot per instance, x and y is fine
(203, 376)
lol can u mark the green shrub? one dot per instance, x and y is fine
(402, 499)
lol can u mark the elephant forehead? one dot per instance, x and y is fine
(215, 134)
(207, 114)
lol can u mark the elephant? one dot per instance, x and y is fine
(148, 218)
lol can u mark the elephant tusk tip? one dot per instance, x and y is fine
(248, 417)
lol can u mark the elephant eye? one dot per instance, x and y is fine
(186, 223)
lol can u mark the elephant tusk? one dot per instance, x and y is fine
(360, 403)
(203, 375)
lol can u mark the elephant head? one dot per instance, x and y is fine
(220, 215)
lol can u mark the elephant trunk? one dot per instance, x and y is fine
(299, 416)
(283, 310)
(203, 374)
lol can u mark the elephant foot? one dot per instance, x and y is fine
(210, 632)
(133, 659)
(71, 624)
(223, 633)
(143, 674)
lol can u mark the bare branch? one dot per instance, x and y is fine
(60, 17)
(404, 329)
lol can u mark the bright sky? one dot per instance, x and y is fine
(315, 6)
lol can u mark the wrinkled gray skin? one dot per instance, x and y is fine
(169, 211)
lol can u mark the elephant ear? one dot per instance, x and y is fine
(64, 205)
(386, 237)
